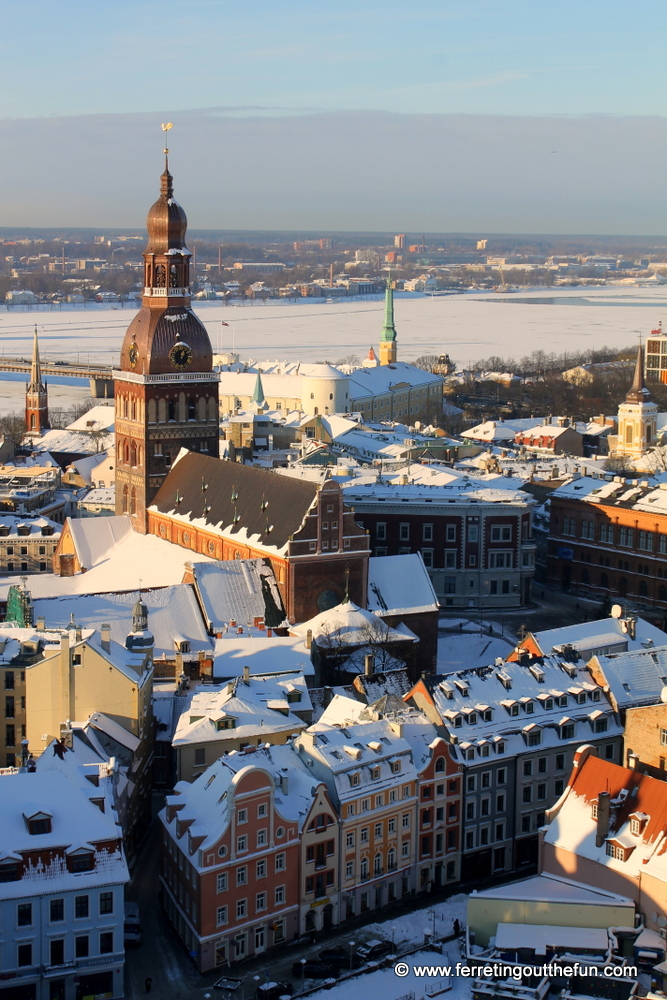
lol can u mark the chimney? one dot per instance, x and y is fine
(105, 636)
(41, 624)
(633, 760)
(369, 665)
(24, 753)
(309, 638)
(603, 819)
(284, 783)
(246, 674)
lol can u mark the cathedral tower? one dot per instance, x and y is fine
(36, 398)
(637, 417)
(166, 391)
(388, 336)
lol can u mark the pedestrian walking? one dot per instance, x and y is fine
(148, 984)
(457, 927)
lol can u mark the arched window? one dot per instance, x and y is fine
(663, 593)
(316, 411)
(127, 453)
(191, 409)
(201, 409)
(133, 501)
(162, 411)
(622, 586)
(124, 499)
(440, 765)
(377, 866)
(212, 409)
(33, 421)
(171, 408)
(628, 434)
(391, 859)
(124, 406)
(604, 581)
(643, 589)
(363, 868)
(133, 454)
(160, 276)
(584, 576)
(134, 409)
(152, 411)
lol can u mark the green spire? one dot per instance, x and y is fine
(389, 330)
(258, 394)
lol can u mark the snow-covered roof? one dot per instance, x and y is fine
(102, 496)
(633, 678)
(173, 615)
(260, 705)
(206, 802)
(541, 938)
(499, 430)
(593, 637)
(75, 822)
(554, 889)
(347, 624)
(399, 585)
(574, 828)
(465, 490)
(100, 417)
(12, 638)
(239, 590)
(32, 526)
(366, 382)
(507, 702)
(265, 655)
(72, 442)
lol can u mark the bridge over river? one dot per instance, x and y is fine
(99, 376)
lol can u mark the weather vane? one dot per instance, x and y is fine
(165, 128)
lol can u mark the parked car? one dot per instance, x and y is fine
(315, 970)
(132, 924)
(339, 956)
(372, 950)
(273, 991)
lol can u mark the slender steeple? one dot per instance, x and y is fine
(638, 393)
(388, 335)
(36, 396)
(258, 399)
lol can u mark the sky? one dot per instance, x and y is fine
(93, 71)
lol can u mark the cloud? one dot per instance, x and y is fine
(240, 168)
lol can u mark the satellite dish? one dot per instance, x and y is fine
(616, 611)
(662, 922)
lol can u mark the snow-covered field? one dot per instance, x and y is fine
(468, 326)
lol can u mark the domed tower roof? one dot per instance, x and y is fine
(325, 371)
(139, 638)
(166, 337)
(166, 221)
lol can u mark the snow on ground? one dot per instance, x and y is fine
(468, 326)
(467, 650)
(387, 984)
(63, 393)
(410, 928)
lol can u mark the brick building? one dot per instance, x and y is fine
(646, 739)
(476, 543)
(231, 511)
(609, 539)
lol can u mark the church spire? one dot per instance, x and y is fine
(36, 396)
(388, 335)
(258, 399)
(638, 393)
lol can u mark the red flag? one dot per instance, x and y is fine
(222, 323)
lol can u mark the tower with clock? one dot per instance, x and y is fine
(165, 388)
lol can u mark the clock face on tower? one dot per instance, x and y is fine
(133, 355)
(180, 356)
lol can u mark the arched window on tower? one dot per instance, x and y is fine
(124, 499)
(162, 411)
(182, 408)
(33, 421)
(134, 409)
(201, 410)
(133, 454)
(160, 276)
(133, 501)
(649, 434)
(171, 408)
(191, 408)
(173, 276)
(124, 398)
(628, 434)
(212, 409)
(127, 453)
(152, 411)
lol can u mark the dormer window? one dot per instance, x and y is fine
(396, 767)
(81, 861)
(375, 773)
(594, 810)
(528, 707)
(354, 780)
(38, 824)
(638, 823)
(562, 701)
(548, 704)
(458, 721)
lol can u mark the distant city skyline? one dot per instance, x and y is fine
(457, 115)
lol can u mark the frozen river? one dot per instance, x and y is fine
(468, 326)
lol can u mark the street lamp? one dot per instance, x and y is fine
(303, 968)
(352, 947)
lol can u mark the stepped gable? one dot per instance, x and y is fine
(238, 498)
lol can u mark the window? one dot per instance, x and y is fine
(221, 884)
(80, 907)
(427, 532)
(24, 915)
(106, 902)
(377, 832)
(241, 844)
(396, 765)
(405, 849)
(542, 791)
(280, 894)
(404, 532)
(535, 738)
(106, 943)
(527, 794)
(567, 731)
(280, 862)
(626, 537)
(646, 541)
(349, 869)
(601, 725)
(24, 955)
(560, 761)
(242, 816)
(406, 821)
(542, 765)
(200, 756)
(242, 876)
(260, 901)
(427, 557)
(56, 910)
(241, 908)
(391, 825)
(221, 916)
(364, 835)
(81, 946)
(558, 786)
(501, 560)
(261, 838)
(527, 767)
